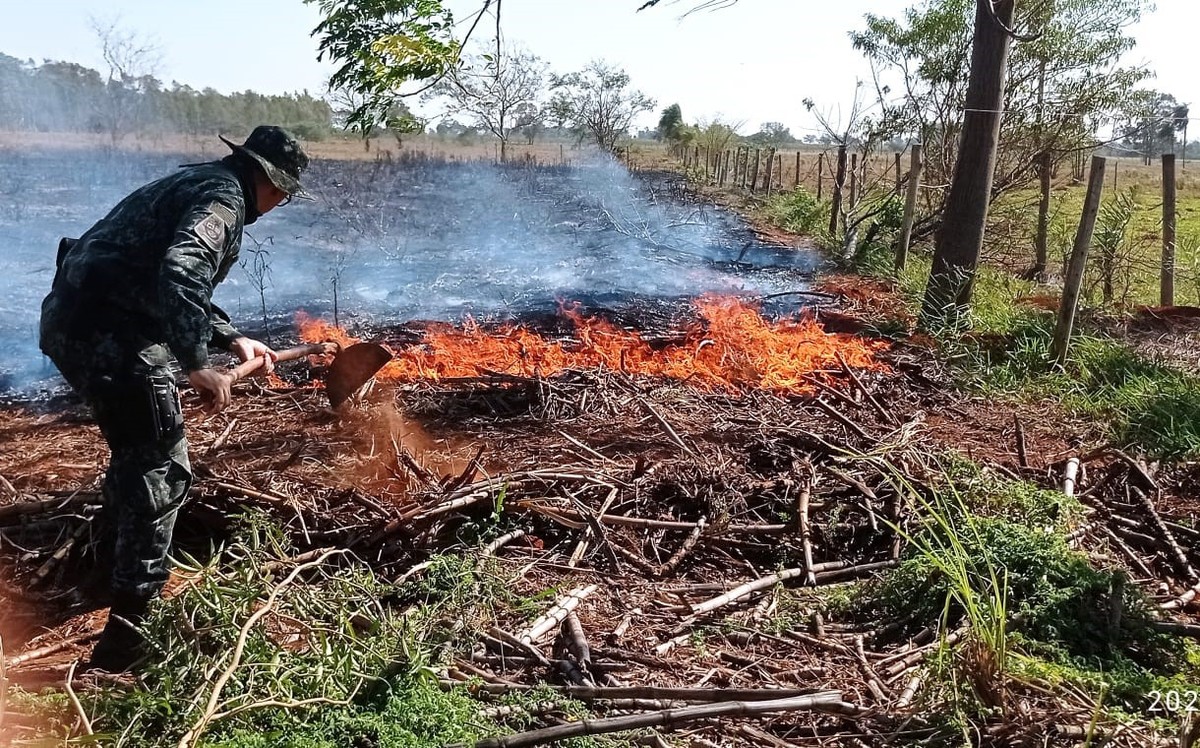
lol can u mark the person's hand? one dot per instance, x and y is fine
(247, 348)
(213, 387)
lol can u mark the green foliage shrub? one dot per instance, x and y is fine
(797, 211)
(875, 253)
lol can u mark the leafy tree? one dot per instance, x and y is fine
(773, 134)
(494, 90)
(715, 135)
(65, 96)
(1152, 129)
(400, 122)
(382, 45)
(598, 101)
(530, 121)
(1064, 79)
(670, 123)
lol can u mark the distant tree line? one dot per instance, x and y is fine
(67, 97)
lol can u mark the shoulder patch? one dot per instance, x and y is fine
(214, 226)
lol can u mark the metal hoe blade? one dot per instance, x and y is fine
(352, 368)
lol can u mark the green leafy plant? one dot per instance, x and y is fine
(797, 211)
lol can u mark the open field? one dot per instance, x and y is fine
(338, 149)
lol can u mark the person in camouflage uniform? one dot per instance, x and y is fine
(130, 295)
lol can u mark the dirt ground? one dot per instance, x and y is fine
(281, 449)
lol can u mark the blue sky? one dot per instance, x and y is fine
(753, 62)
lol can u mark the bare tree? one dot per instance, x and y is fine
(854, 130)
(495, 90)
(132, 62)
(258, 270)
(599, 102)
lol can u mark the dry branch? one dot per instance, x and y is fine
(1178, 558)
(909, 692)
(491, 548)
(688, 544)
(823, 701)
(665, 426)
(85, 722)
(883, 412)
(555, 616)
(577, 642)
(23, 509)
(23, 658)
(757, 585)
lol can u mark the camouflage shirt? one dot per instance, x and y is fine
(154, 260)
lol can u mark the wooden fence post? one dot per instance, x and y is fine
(754, 174)
(898, 179)
(1166, 296)
(839, 181)
(796, 186)
(769, 169)
(820, 175)
(779, 169)
(1074, 280)
(910, 207)
(745, 165)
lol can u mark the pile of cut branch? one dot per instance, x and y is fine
(674, 549)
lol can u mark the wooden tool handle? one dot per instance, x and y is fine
(246, 368)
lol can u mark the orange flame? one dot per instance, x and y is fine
(734, 347)
(314, 330)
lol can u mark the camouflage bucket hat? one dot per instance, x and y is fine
(280, 155)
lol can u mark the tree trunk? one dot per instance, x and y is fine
(839, 182)
(948, 293)
(1042, 240)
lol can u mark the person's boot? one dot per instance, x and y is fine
(121, 644)
(99, 554)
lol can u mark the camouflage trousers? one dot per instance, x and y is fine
(132, 392)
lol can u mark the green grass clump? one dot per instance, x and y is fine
(992, 496)
(338, 657)
(411, 712)
(991, 555)
(326, 663)
(1147, 404)
(797, 211)
(1054, 593)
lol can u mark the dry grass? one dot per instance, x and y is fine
(332, 148)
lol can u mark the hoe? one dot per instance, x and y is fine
(352, 367)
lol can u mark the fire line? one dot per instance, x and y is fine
(731, 347)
